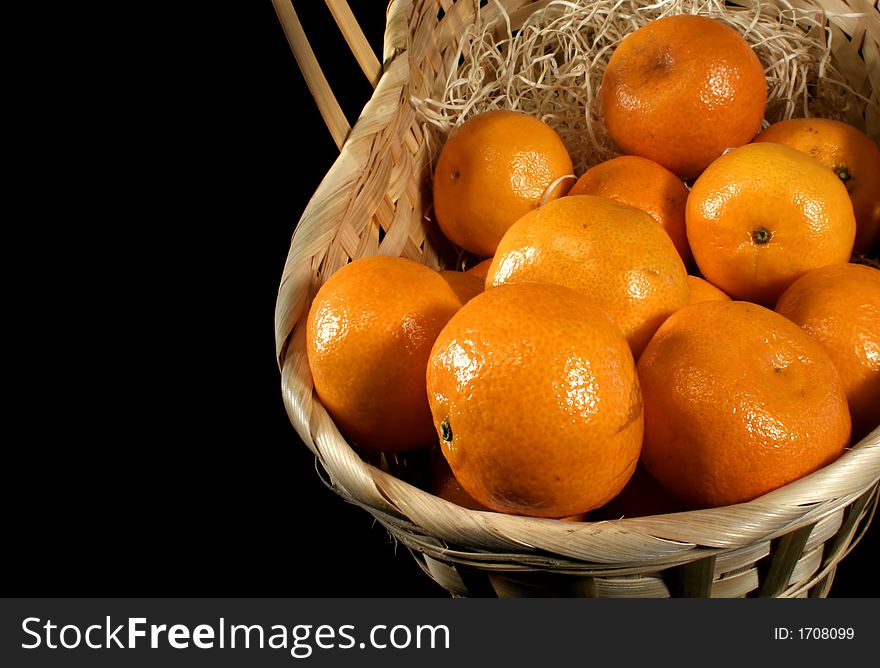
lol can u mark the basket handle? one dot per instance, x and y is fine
(326, 101)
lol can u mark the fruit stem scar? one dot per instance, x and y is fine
(842, 173)
(666, 61)
(761, 235)
(446, 430)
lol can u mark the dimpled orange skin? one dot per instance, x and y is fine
(369, 332)
(494, 168)
(682, 89)
(763, 215)
(536, 401)
(613, 253)
(446, 486)
(644, 184)
(839, 307)
(847, 151)
(730, 419)
(702, 290)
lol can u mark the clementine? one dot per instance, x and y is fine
(850, 153)
(369, 332)
(613, 253)
(494, 168)
(702, 290)
(727, 423)
(536, 402)
(445, 485)
(644, 184)
(480, 269)
(682, 89)
(763, 215)
(465, 285)
(839, 306)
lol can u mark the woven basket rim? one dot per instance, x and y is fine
(398, 504)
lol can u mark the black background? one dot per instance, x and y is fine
(159, 460)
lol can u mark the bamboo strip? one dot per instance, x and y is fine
(691, 580)
(737, 585)
(354, 37)
(327, 104)
(783, 558)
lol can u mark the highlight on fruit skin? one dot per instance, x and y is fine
(729, 420)
(850, 153)
(535, 401)
(764, 214)
(369, 332)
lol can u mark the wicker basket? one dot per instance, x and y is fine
(784, 544)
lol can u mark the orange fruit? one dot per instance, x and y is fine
(536, 402)
(480, 269)
(445, 485)
(644, 184)
(702, 290)
(494, 168)
(682, 89)
(763, 215)
(839, 307)
(850, 153)
(465, 285)
(613, 253)
(729, 420)
(369, 332)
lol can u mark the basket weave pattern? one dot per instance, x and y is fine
(373, 201)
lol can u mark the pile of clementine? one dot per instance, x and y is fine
(681, 326)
